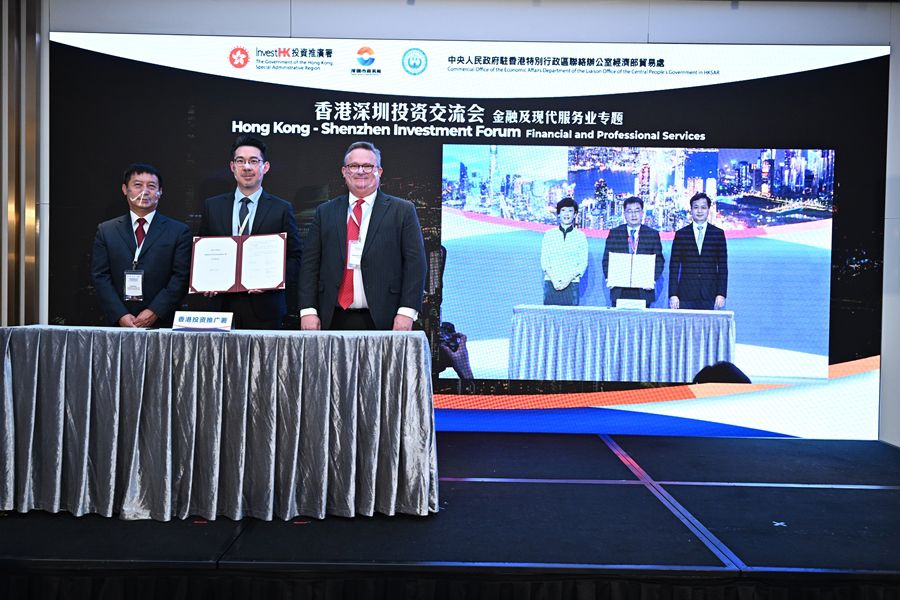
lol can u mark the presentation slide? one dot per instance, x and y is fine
(573, 285)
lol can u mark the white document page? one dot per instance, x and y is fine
(263, 262)
(213, 264)
(643, 271)
(632, 270)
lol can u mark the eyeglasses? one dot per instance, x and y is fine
(251, 162)
(633, 212)
(355, 168)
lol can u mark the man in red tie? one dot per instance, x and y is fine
(364, 259)
(141, 260)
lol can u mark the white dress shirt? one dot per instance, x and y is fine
(359, 290)
(251, 207)
(134, 225)
(637, 232)
(699, 233)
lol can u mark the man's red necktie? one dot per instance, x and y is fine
(345, 292)
(139, 232)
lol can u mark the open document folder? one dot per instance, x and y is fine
(238, 263)
(632, 270)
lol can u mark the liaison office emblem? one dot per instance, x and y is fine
(414, 61)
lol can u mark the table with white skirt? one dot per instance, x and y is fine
(592, 343)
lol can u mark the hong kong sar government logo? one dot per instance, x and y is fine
(365, 56)
(414, 61)
(239, 57)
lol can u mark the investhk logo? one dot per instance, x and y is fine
(365, 56)
(414, 61)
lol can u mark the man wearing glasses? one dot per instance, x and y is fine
(364, 264)
(250, 210)
(633, 237)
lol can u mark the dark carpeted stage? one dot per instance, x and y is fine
(522, 516)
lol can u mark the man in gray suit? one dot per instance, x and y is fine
(364, 262)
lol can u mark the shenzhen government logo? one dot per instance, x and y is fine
(414, 61)
(239, 57)
(365, 56)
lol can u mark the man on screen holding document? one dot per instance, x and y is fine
(633, 237)
(250, 210)
(141, 260)
(698, 267)
(364, 264)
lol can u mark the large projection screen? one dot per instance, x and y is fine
(789, 143)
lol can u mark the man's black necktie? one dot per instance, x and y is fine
(242, 215)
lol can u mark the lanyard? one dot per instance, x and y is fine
(244, 224)
(137, 251)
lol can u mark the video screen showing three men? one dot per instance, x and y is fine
(728, 250)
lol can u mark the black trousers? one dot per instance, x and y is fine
(352, 320)
(245, 317)
(698, 304)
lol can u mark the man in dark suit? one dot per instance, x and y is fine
(698, 266)
(364, 264)
(141, 260)
(250, 210)
(633, 237)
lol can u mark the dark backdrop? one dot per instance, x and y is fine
(107, 112)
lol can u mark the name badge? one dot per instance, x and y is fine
(354, 254)
(134, 285)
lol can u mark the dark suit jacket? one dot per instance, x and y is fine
(165, 259)
(648, 243)
(273, 215)
(393, 259)
(694, 275)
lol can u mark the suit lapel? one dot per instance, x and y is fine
(379, 210)
(125, 231)
(226, 214)
(644, 243)
(707, 231)
(338, 223)
(262, 211)
(698, 250)
(157, 228)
